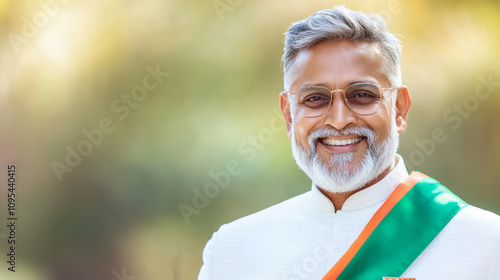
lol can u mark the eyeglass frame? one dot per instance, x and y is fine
(380, 89)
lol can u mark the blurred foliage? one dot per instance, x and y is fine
(119, 207)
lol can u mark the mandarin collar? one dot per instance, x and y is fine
(370, 196)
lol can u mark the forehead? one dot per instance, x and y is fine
(338, 64)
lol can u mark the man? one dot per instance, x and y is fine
(365, 217)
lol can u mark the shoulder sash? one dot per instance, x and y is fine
(413, 215)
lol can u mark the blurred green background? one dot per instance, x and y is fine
(66, 66)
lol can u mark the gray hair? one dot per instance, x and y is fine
(337, 24)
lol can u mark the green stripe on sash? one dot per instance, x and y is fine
(405, 232)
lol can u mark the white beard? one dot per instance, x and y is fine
(338, 175)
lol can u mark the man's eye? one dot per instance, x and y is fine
(362, 94)
(315, 98)
(316, 101)
(362, 98)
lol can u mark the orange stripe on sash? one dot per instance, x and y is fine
(391, 201)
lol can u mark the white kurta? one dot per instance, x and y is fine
(303, 237)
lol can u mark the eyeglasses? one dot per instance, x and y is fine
(360, 98)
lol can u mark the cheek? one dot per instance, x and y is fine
(381, 125)
(379, 122)
(303, 127)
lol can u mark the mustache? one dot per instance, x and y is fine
(363, 131)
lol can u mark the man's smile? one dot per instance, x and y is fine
(341, 144)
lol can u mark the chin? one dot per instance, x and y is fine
(346, 172)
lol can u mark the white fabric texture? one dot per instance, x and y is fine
(303, 237)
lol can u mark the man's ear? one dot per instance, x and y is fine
(285, 109)
(403, 103)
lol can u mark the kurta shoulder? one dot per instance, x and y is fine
(474, 228)
(239, 247)
(265, 244)
(467, 248)
(476, 218)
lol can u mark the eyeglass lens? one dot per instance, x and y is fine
(362, 99)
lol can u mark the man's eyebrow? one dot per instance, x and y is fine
(322, 84)
(368, 81)
(314, 85)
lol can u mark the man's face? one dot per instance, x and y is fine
(370, 140)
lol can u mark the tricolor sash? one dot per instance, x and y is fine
(413, 215)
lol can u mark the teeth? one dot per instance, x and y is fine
(333, 142)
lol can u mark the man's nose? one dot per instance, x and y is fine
(339, 116)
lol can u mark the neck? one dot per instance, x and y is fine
(338, 199)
